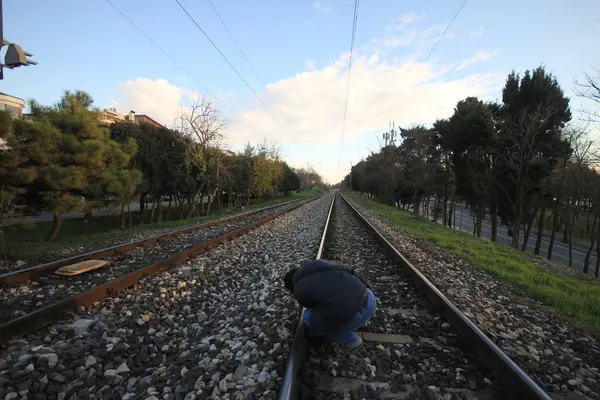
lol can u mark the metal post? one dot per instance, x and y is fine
(350, 182)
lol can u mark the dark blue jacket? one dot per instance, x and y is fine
(333, 293)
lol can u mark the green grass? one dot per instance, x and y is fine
(29, 239)
(571, 298)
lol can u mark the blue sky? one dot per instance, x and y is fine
(299, 48)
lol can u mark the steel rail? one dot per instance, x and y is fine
(23, 275)
(499, 363)
(289, 385)
(46, 315)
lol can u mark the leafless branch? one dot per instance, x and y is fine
(589, 88)
(200, 120)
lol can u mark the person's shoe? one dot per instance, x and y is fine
(352, 347)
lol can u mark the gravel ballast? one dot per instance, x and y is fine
(219, 325)
(42, 291)
(30, 260)
(562, 359)
(431, 367)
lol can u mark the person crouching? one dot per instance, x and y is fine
(337, 300)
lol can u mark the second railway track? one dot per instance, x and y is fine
(38, 289)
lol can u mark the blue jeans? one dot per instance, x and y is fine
(346, 334)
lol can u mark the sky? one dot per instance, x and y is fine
(298, 52)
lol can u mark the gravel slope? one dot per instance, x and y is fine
(432, 367)
(220, 325)
(564, 361)
(25, 298)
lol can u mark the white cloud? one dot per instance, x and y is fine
(322, 8)
(412, 36)
(158, 98)
(478, 57)
(478, 32)
(310, 104)
(404, 20)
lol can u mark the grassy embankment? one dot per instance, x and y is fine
(28, 239)
(574, 299)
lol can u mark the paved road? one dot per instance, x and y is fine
(560, 252)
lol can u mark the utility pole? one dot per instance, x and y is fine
(350, 178)
(393, 134)
(386, 136)
(390, 135)
(390, 141)
(15, 55)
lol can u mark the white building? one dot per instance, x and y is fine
(12, 104)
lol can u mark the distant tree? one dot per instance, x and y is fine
(577, 196)
(267, 170)
(419, 162)
(531, 141)
(201, 121)
(289, 180)
(164, 160)
(471, 139)
(517, 159)
(63, 160)
(308, 178)
(121, 187)
(446, 177)
(242, 173)
(75, 101)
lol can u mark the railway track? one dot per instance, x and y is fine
(218, 327)
(222, 327)
(417, 345)
(34, 296)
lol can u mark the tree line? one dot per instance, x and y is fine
(519, 162)
(61, 158)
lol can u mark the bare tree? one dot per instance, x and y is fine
(200, 120)
(557, 186)
(576, 187)
(591, 189)
(589, 88)
(308, 177)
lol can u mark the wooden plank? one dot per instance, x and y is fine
(346, 385)
(406, 312)
(385, 338)
(80, 267)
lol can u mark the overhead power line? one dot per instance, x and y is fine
(230, 64)
(160, 48)
(445, 30)
(238, 46)
(243, 54)
(354, 20)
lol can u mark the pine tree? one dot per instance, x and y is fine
(64, 160)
